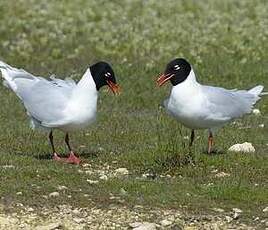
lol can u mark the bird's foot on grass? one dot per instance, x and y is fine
(72, 159)
(56, 157)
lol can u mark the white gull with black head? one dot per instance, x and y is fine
(60, 104)
(199, 106)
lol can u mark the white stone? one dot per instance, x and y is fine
(78, 220)
(122, 171)
(165, 223)
(256, 111)
(135, 224)
(76, 212)
(265, 209)
(92, 181)
(8, 166)
(245, 147)
(54, 194)
(222, 174)
(146, 226)
(51, 226)
(261, 125)
(103, 177)
(30, 209)
(237, 210)
(236, 215)
(62, 187)
(89, 172)
(228, 219)
(218, 209)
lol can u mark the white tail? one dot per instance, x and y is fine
(5, 68)
(11, 74)
(256, 90)
(4, 65)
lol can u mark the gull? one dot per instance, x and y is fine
(199, 106)
(60, 104)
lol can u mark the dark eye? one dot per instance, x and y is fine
(177, 67)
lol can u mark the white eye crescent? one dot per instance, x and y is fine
(106, 75)
(177, 67)
(109, 74)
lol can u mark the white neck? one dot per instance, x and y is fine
(86, 92)
(87, 82)
(187, 88)
(191, 79)
(82, 106)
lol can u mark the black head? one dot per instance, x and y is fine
(103, 74)
(176, 71)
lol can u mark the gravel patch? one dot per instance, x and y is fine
(114, 217)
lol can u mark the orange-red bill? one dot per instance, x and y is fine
(163, 78)
(113, 87)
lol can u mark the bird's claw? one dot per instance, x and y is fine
(72, 159)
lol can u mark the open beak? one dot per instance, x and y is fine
(114, 87)
(163, 78)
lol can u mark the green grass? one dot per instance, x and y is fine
(226, 41)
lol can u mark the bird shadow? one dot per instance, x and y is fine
(214, 152)
(86, 155)
(46, 156)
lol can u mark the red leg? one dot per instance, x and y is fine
(210, 142)
(72, 159)
(55, 155)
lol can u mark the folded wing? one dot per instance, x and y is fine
(229, 104)
(44, 100)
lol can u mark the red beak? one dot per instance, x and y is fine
(163, 78)
(113, 87)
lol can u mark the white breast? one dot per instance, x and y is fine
(82, 108)
(189, 106)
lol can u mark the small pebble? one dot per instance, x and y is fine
(122, 171)
(92, 181)
(165, 223)
(103, 177)
(237, 210)
(256, 111)
(54, 194)
(222, 174)
(228, 219)
(62, 187)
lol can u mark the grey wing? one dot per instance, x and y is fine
(228, 104)
(46, 100)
